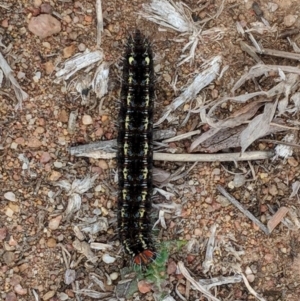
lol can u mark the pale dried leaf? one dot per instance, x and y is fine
(221, 280)
(295, 189)
(169, 14)
(100, 246)
(277, 218)
(99, 226)
(63, 184)
(261, 28)
(92, 294)
(20, 94)
(261, 69)
(251, 290)
(78, 62)
(74, 204)
(211, 70)
(100, 80)
(196, 285)
(81, 186)
(208, 261)
(166, 194)
(285, 151)
(84, 248)
(70, 276)
(258, 127)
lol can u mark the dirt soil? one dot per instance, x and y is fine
(42, 252)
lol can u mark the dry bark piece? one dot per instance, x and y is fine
(277, 218)
(44, 25)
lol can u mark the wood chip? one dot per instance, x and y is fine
(277, 218)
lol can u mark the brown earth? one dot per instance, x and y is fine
(37, 241)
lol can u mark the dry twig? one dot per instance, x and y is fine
(237, 204)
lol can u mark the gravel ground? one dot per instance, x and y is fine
(48, 249)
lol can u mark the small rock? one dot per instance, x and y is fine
(14, 145)
(12, 241)
(81, 47)
(248, 271)
(55, 175)
(292, 162)
(250, 278)
(34, 142)
(172, 267)
(5, 23)
(58, 164)
(108, 259)
(45, 157)
(37, 3)
(103, 164)
(289, 20)
(63, 116)
(68, 51)
(20, 140)
(20, 290)
(46, 45)
(51, 243)
(87, 119)
(48, 295)
(144, 286)
(114, 276)
(46, 8)
(10, 196)
(54, 223)
(9, 258)
(9, 212)
(44, 26)
(273, 190)
(14, 207)
(49, 67)
(3, 233)
(11, 296)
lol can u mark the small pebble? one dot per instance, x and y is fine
(48, 295)
(114, 276)
(292, 162)
(54, 223)
(10, 196)
(103, 164)
(45, 157)
(289, 20)
(81, 47)
(20, 290)
(250, 278)
(44, 25)
(51, 243)
(11, 296)
(87, 119)
(108, 259)
(58, 164)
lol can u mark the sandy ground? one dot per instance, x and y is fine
(45, 253)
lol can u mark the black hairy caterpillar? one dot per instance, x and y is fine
(135, 151)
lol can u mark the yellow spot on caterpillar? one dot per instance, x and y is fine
(145, 172)
(125, 173)
(144, 194)
(129, 98)
(127, 121)
(126, 148)
(147, 60)
(130, 60)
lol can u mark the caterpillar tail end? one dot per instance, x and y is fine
(144, 258)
